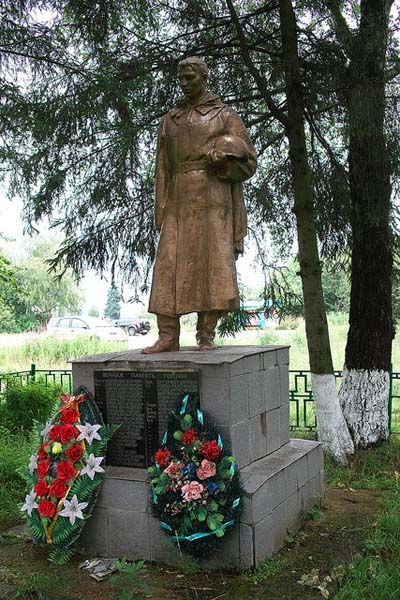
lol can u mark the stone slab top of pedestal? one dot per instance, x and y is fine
(189, 354)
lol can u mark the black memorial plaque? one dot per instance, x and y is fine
(140, 402)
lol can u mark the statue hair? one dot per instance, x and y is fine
(196, 63)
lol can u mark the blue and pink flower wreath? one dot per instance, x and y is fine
(195, 485)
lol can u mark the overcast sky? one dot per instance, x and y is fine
(95, 289)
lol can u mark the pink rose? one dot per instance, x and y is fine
(206, 469)
(173, 469)
(192, 491)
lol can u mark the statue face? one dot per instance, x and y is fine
(192, 82)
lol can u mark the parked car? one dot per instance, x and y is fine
(72, 325)
(133, 325)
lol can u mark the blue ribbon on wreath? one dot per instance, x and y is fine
(184, 404)
(197, 536)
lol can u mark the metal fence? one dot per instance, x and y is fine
(62, 377)
(302, 410)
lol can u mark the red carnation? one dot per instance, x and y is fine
(69, 415)
(65, 470)
(41, 487)
(67, 432)
(43, 467)
(58, 488)
(42, 454)
(189, 436)
(54, 433)
(46, 508)
(210, 450)
(162, 457)
(74, 454)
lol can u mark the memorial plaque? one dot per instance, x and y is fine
(140, 402)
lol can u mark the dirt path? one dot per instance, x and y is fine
(332, 539)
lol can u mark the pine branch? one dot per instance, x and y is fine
(342, 30)
(260, 81)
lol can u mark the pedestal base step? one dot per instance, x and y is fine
(279, 488)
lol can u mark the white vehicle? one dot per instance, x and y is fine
(72, 325)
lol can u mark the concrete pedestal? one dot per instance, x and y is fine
(246, 391)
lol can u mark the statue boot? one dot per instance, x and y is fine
(206, 324)
(168, 336)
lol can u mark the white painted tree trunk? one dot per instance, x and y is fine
(332, 428)
(364, 398)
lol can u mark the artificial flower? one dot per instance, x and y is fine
(192, 491)
(68, 432)
(65, 470)
(75, 453)
(42, 454)
(210, 450)
(73, 509)
(69, 415)
(88, 432)
(206, 469)
(46, 508)
(56, 448)
(30, 503)
(162, 456)
(54, 433)
(33, 463)
(58, 488)
(173, 469)
(41, 488)
(211, 486)
(92, 466)
(45, 431)
(69, 401)
(43, 467)
(189, 437)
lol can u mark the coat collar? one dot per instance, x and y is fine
(207, 103)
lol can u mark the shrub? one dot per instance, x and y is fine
(15, 450)
(24, 404)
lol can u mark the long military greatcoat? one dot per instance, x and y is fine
(201, 216)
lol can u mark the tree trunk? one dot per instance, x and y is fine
(332, 429)
(364, 393)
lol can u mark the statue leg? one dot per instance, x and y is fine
(206, 324)
(168, 335)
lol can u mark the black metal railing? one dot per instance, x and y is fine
(63, 377)
(302, 409)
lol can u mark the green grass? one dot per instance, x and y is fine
(378, 468)
(15, 450)
(269, 568)
(376, 574)
(52, 352)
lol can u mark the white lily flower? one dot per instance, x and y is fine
(92, 466)
(46, 428)
(73, 509)
(30, 502)
(88, 432)
(33, 462)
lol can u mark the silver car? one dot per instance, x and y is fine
(72, 325)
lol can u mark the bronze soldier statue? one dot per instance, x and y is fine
(203, 155)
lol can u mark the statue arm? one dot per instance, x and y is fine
(160, 190)
(239, 169)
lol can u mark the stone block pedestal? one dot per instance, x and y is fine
(245, 390)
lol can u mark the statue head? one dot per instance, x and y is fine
(192, 75)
